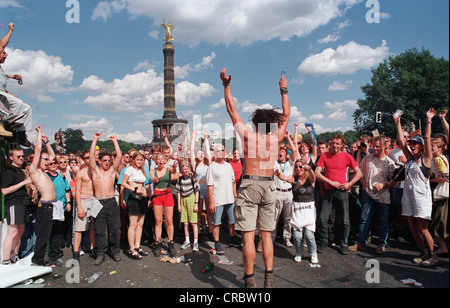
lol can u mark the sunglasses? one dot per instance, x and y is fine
(63, 162)
(106, 160)
(52, 164)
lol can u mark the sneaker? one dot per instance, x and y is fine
(195, 247)
(380, 250)
(298, 259)
(343, 250)
(423, 256)
(357, 247)
(269, 280)
(259, 246)
(116, 257)
(219, 249)
(99, 260)
(288, 243)
(57, 263)
(235, 242)
(314, 258)
(186, 245)
(321, 247)
(250, 283)
(432, 261)
(157, 249)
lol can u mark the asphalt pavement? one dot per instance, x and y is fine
(355, 270)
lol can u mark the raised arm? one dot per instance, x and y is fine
(92, 162)
(293, 147)
(286, 108)
(401, 140)
(444, 122)
(118, 159)
(37, 151)
(229, 102)
(5, 40)
(428, 154)
(192, 149)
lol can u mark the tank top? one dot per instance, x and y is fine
(164, 182)
(302, 193)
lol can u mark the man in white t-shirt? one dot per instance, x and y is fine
(284, 166)
(222, 194)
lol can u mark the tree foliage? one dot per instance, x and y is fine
(75, 142)
(412, 82)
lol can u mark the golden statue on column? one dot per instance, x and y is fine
(169, 27)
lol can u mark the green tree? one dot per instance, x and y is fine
(412, 82)
(74, 140)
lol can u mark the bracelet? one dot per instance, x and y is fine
(429, 122)
(283, 91)
(225, 84)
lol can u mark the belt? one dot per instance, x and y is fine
(257, 177)
(284, 190)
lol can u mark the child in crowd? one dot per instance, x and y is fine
(188, 193)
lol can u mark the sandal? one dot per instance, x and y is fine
(141, 251)
(134, 254)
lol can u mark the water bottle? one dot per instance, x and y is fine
(208, 267)
(19, 81)
(94, 277)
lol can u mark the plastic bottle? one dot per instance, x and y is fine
(94, 277)
(208, 267)
(398, 113)
(19, 81)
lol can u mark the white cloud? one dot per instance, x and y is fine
(182, 72)
(329, 38)
(11, 3)
(104, 9)
(346, 59)
(316, 117)
(140, 92)
(340, 86)
(134, 137)
(348, 104)
(43, 74)
(94, 126)
(338, 115)
(234, 21)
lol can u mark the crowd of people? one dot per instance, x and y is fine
(325, 192)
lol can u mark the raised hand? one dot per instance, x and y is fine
(223, 75)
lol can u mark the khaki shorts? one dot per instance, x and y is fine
(255, 206)
(84, 224)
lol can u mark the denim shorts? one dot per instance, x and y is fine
(217, 217)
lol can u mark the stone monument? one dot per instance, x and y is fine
(169, 121)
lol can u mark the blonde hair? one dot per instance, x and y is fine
(303, 162)
(133, 162)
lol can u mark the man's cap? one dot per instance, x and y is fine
(417, 139)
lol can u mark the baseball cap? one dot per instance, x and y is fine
(417, 139)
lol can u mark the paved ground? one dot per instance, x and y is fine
(336, 271)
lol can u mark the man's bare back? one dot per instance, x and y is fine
(260, 153)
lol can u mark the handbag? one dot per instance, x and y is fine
(441, 190)
(135, 195)
(399, 174)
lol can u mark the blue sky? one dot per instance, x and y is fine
(105, 73)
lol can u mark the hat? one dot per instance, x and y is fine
(417, 139)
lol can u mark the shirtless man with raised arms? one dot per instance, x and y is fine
(257, 192)
(103, 178)
(44, 212)
(84, 193)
